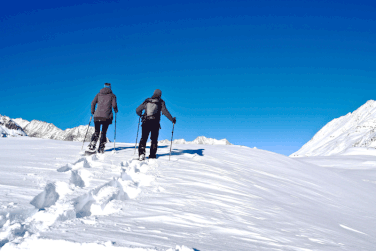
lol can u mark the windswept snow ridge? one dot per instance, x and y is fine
(201, 140)
(342, 135)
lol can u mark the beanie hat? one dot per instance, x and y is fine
(157, 94)
(108, 85)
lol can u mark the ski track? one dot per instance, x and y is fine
(83, 195)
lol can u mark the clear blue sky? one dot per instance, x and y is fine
(268, 74)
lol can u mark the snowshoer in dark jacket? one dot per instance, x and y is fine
(105, 101)
(150, 122)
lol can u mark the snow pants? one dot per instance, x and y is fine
(149, 126)
(97, 125)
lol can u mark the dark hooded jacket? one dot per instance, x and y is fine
(106, 100)
(161, 106)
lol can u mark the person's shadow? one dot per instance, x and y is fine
(128, 147)
(181, 152)
(118, 148)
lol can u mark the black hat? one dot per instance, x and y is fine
(157, 94)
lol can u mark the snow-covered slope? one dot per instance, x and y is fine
(9, 128)
(207, 198)
(201, 140)
(21, 122)
(356, 129)
(41, 129)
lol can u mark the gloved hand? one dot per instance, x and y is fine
(174, 120)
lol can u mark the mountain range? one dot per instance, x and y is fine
(201, 140)
(41, 129)
(356, 130)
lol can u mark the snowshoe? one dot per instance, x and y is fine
(89, 152)
(91, 147)
(142, 157)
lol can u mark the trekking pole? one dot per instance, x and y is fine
(137, 135)
(115, 133)
(171, 140)
(86, 132)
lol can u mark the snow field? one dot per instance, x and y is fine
(207, 198)
(77, 197)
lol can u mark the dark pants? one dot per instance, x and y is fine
(98, 124)
(149, 126)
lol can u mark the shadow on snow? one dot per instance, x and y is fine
(128, 147)
(181, 152)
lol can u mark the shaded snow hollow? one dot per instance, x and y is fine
(207, 198)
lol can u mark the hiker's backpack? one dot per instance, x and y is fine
(153, 108)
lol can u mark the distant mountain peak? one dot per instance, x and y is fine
(10, 128)
(201, 140)
(355, 129)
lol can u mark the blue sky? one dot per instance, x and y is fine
(268, 74)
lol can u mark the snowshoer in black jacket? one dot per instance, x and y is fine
(150, 122)
(103, 115)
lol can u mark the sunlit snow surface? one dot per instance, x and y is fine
(207, 198)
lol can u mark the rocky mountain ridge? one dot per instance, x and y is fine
(9, 128)
(45, 130)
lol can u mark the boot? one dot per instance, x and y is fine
(101, 148)
(93, 143)
(141, 150)
(153, 150)
(102, 144)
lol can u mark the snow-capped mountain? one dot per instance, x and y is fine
(9, 128)
(41, 129)
(343, 134)
(201, 140)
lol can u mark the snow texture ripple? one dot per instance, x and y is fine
(207, 198)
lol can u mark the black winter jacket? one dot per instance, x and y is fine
(161, 108)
